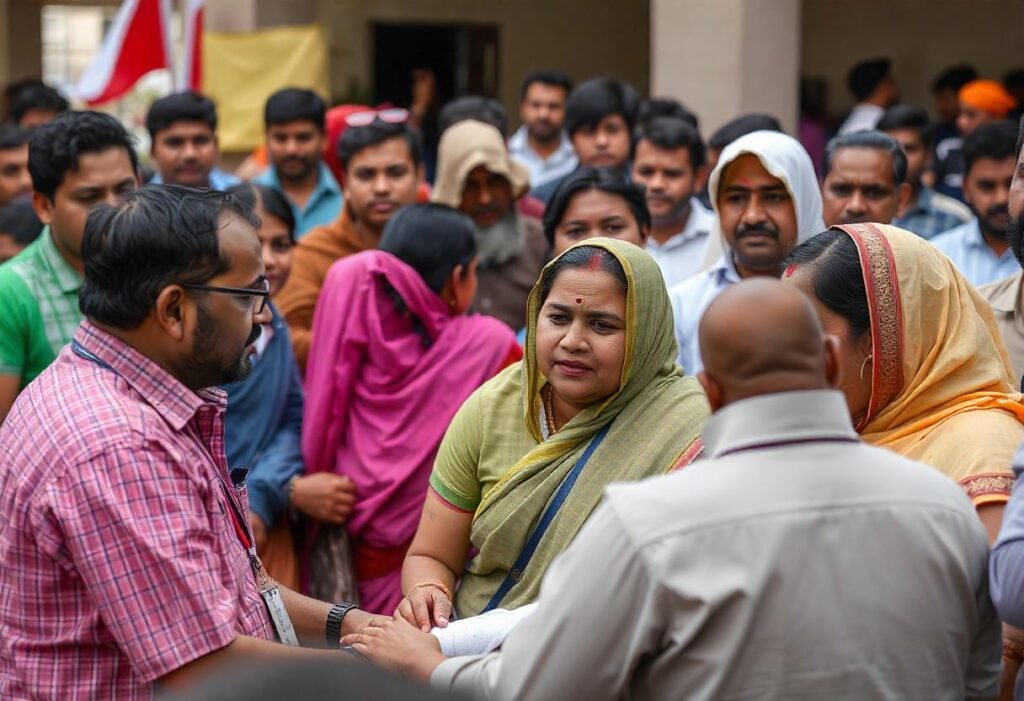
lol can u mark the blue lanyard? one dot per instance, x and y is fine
(81, 351)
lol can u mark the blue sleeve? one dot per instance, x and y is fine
(1006, 566)
(282, 459)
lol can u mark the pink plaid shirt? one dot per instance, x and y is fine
(120, 560)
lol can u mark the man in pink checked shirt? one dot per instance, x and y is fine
(128, 558)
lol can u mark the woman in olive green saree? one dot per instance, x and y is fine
(597, 399)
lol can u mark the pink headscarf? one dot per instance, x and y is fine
(378, 399)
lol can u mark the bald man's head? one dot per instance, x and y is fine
(763, 337)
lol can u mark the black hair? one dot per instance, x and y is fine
(603, 179)
(56, 147)
(1020, 136)
(253, 195)
(582, 257)
(355, 139)
(870, 139)
(13, 137)
(18, 219)
(293, 105)
(432, 239)
(597, 98)
(482, 109)
(671, 133)
(1014, 80)
(555, 79)
(741, 126)
(657, 107)
(995, 140)
(907, 117)
(34, 94)
(866, 76)
(158, 235)
(954, 78)
(188, 106)
(837, 276)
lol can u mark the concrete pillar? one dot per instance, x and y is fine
(722, 58)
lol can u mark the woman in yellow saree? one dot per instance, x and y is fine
(597, 399)
(926, 373)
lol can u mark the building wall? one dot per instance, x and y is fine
(922, 38)
(584, 38)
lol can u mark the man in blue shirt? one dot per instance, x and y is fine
(183, 137)
(296, 134)
(980, 248)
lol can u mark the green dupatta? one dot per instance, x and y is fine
(656, 416)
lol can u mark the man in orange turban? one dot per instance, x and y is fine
(982, 101)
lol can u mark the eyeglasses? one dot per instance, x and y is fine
(392, 115)
(241, 291)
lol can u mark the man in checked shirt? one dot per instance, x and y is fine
(128, 559)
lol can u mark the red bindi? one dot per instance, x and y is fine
(790, 270)
(579, 300)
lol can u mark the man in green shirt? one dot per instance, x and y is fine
(77, 160)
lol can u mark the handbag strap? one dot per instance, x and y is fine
(516, 573)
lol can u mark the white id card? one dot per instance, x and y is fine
(279, 615)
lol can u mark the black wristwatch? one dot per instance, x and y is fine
(335, 617)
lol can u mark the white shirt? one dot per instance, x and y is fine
(967, 248)
(689, 300)
(861, 118)
(543, 170)
(679, 258)
(795, 563)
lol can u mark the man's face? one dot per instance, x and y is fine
(1015, 232)
(185, 153)
(543, 111)
(227, 325)
(101, 176)
(860, 188)
(971, 118)
(37, 118)
(917, 154)
(605, 145)
(294, 149)
(14, 177)
(669, 178)
(987, 190)
(486, 197)
(757, 215)
(380, 179)
(947, 106)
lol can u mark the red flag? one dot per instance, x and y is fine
(191, 75)
(138, 42)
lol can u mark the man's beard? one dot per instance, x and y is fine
(1015, 235)
(205, 367)
(985, 222)
(500, 242)
(544, 133)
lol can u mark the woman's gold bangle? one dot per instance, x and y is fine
(436, 583)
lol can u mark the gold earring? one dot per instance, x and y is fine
(864, 365)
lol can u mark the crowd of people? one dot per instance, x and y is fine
(600, 408)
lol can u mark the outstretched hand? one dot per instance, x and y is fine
(397, 645)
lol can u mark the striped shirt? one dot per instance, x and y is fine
(121, 561)
(39, 299)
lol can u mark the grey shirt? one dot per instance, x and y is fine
(796, 562)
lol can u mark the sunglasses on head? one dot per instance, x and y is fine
(392, 115)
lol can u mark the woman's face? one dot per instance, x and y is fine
(593, 213)
(581, 336)
(277, 247)
(852, 350)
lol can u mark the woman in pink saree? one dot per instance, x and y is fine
(394, 355)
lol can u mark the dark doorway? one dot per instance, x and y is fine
(464, 58)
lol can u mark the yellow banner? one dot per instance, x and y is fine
(240, 71)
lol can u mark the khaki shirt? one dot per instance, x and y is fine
(1004, 298)
(796, 563)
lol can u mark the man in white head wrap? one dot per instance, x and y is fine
(766, 200)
